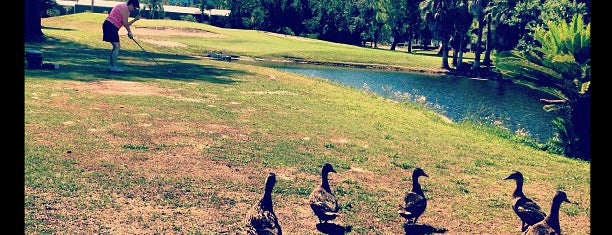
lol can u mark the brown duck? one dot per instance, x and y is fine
(527, 210)
(550, 224)
(414, 203)
(261, 219)
(322, 200)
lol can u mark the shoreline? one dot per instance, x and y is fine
(486, 73)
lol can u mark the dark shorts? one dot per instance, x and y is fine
(110, 32)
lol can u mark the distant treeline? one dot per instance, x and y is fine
(505, 24)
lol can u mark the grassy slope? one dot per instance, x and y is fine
(147, 152)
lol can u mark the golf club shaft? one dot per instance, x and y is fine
(146, 52)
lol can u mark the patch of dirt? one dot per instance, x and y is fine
(163, 43)
(113, 87)
(168, 31)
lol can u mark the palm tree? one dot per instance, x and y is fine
(438, 17)
(462, 23)
(477, 8)
(561, 66)
(487, 57)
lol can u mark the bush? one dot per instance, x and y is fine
(286, 31)
(188, 18)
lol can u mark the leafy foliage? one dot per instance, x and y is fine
(561, 66)
(153, 9)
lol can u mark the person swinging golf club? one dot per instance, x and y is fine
(117, 18)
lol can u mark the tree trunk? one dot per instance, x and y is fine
(445, 53)
(32, 23)
(487, 57)
(425, 42)
(396, 37)
(375, 42)
(409, 45)
(478, 41)
(460, 54)
(455, 57)
(394, 43)
(453, 43)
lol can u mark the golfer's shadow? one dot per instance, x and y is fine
(421, 229)
(333, 229)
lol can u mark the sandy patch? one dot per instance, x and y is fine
(163, 43)
(113, 87)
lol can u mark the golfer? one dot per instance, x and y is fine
(117, 18)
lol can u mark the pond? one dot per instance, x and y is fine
(517, 107)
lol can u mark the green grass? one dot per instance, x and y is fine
(78, 28)
(148, 152)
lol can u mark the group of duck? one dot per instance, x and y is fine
(261, 218)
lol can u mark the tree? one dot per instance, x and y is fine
(241, 13)
(32, 24)
(206, 5)
(413, 18)
(506, 33)
(487, 57)
(559, 10)
(437, 15)
(524, 17)
(299, 10)
(397, 21)
(273, 15)
(156, 9)
(380, 19)
(337, 21)
(560, 65)
(46, 5)
(461, 25)
(477, 8)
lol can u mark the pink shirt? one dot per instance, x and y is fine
(115, 16)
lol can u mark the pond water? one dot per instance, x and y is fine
(518, 107)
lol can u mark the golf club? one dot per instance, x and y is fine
(169, 70)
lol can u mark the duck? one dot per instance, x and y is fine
(526, 209)
(261, 218)
(550, 225)
(322, 201)
(414, 202)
